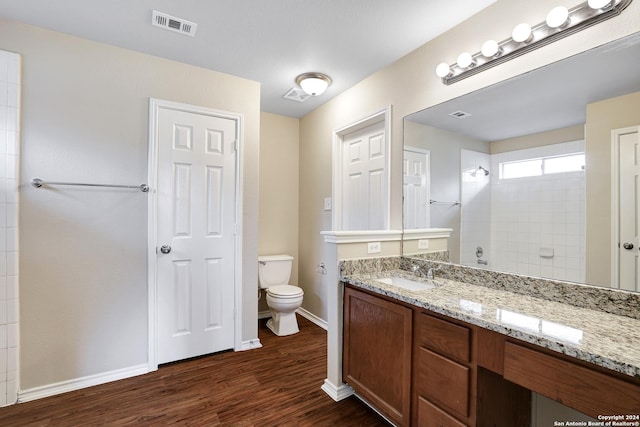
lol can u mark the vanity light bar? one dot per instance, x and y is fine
(560, 23)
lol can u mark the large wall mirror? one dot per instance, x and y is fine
(536, 175)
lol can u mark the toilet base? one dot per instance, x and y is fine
(283, 324)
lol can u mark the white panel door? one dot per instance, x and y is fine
(196, 225)
(629, 223)
(364, 193)
(415, 185)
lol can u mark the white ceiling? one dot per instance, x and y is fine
(270, 41)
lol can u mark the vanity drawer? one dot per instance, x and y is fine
(430, 415)
(444, 382)
(444, 337)
(576, 386)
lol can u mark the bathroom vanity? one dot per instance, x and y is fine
(460, 354)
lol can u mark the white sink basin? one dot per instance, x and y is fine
(408, 284)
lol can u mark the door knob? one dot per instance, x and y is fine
(165, 249)
(627, 246)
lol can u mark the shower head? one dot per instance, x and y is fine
(478, 169)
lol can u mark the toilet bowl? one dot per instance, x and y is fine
(283, 299)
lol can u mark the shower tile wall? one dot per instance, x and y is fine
(475, 218)
(538, 223)
(9, 152)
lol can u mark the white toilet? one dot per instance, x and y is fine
(283, 299)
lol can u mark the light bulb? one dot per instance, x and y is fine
(491, 49)
(521, 33)
(465, 60)
(443, 70)
(599, 4)
(558, 17)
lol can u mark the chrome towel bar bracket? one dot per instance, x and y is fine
(37, 183)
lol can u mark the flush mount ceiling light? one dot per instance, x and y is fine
(560, 22)
(313, 83)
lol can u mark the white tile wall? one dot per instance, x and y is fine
(534, 214)
(475, 217)
(9, 163)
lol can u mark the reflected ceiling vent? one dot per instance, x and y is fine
(172, 23)
(460, 114)
(296, 94)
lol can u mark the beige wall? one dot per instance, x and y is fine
(410, 85)
(602, 118)
(556, 136)
(278, 222)
(83, 278)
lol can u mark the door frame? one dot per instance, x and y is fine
(152, 223)
(615, 200)
(381, 115)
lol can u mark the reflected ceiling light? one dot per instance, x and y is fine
(465, 60)
(313, 83)
(491, 49)
(599, 4)
(522, 33)
(558, 17)
(560, 22)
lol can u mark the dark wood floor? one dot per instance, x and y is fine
(277, 385)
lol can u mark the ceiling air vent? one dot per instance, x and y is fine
(460, 114)
(172, 23)
(295, 94)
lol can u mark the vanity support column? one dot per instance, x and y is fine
(333, 384)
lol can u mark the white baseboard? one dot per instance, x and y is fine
(264, 314)
(336, 393)
(79, 383)
(250, 345)
(302, 312)
(312, 318)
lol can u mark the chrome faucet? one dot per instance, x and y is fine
(431, 272)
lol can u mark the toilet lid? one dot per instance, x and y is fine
(285, 291)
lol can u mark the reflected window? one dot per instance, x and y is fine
(542, 166)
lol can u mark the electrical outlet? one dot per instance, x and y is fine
(327, 204)
(373, 247)
(423, 244)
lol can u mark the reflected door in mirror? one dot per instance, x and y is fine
(415, 184)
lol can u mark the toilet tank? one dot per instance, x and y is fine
(274, 270)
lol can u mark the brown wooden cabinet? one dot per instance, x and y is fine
(583, 388)
(426, 369)
(451, 388)
(377, 353)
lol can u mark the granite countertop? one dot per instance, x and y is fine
(604, 339)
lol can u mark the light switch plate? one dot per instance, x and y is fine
(327, 204)
(373, 247)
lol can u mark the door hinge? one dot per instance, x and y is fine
(236, 145)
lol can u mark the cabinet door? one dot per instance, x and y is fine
(377, 353)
